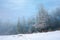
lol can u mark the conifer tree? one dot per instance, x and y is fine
(18, 26)
(24, 25)
(42, 19)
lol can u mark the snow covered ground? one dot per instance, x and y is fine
(35, 36)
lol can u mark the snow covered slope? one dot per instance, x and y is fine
(35, 36)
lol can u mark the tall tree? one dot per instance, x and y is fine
(24, 25)
(18, 25)
(29, 25)
(42, 19)
(56, 17)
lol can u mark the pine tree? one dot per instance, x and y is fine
(29, 25)
(42, 18)
(24, 25)
(18, 26)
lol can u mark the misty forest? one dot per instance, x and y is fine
(43, 21)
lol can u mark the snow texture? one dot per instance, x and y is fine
(35, 36)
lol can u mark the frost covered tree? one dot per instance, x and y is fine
(41, 19)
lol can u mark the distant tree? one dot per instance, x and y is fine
(24, 25)
(29, 25)
(18, 26)
(19, 29)
(56, 17)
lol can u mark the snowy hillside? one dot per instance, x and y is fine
(35, 36)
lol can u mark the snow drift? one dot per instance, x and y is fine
(35, 36)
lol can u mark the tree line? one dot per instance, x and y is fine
(42, 22)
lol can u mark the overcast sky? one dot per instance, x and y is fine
(12, 9)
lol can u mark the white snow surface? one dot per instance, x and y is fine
(35, 36)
